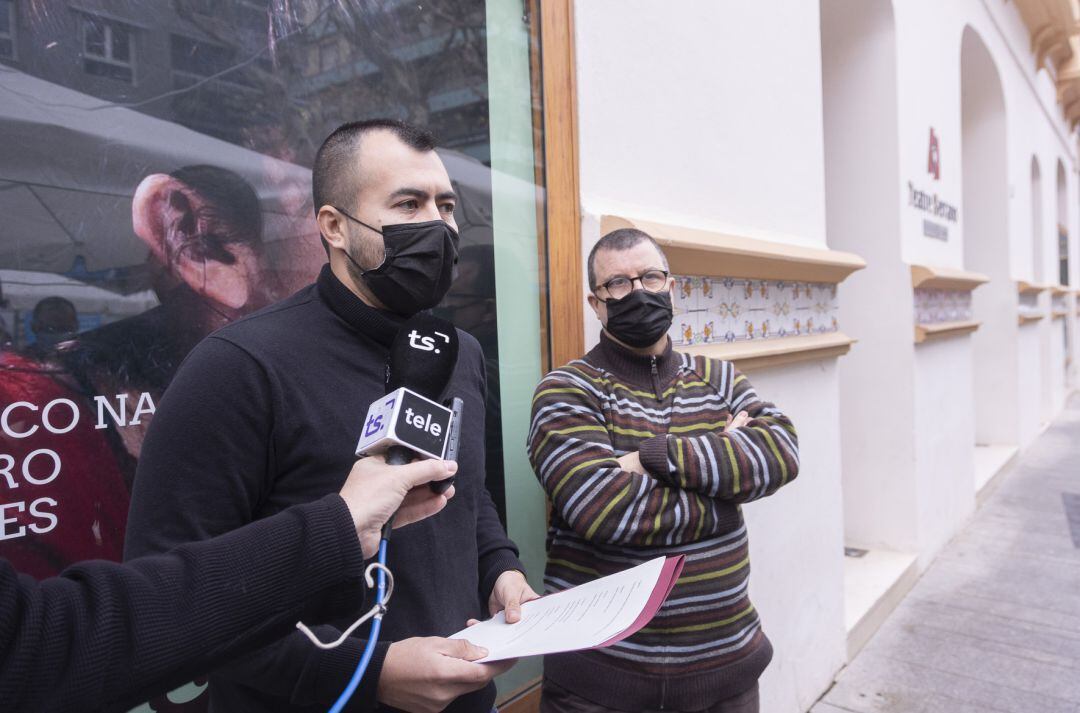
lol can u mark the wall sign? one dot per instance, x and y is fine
(928, 201)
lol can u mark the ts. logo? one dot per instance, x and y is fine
(374, 423)
(426, 343)
(375, 420)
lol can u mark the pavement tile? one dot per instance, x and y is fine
(993, 625)
(902, 686)
(1035, 641)
(876, 695)
(826, 708)
(944, 704)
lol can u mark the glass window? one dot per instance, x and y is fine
(328, 55)
(7, 29)
(121, 46)
(200, 58)
(138, 217)
(107, 50)
(94, 39)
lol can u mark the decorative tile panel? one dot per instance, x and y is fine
(1029, 304)
(723, 309)
(934, 306)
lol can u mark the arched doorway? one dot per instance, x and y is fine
(1058, 352)
(1037, 238)
(1041, 274)
(985, 217)
(862, 182)
(1062, 272)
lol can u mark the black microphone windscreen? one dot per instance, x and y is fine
(423, 356)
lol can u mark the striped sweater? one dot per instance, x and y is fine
(706, 643)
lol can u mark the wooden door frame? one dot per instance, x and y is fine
(566, 299)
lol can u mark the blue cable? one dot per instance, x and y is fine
(369, 650)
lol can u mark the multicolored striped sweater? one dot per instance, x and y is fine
(706, 643)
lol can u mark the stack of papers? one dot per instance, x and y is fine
(590, 616)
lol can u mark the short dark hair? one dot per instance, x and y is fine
(54, 315)
(333, 177)
(619, 240)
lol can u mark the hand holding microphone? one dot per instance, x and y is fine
(409, 422)
(376, 490)
(385, 488)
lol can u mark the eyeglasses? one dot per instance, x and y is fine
(621, 286)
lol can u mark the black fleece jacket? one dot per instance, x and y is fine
(266, 413)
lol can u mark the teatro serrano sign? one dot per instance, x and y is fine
(929, 202)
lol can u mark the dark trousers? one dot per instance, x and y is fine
(556, 699)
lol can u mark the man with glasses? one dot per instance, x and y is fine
(646, 452)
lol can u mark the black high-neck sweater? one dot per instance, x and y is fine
(265, 413)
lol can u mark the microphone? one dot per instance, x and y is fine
(409, 422)
(422, 356)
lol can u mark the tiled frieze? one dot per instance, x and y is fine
(722, 309)
(934, 306)
(1029, 304)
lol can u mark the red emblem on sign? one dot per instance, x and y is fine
(933, 159)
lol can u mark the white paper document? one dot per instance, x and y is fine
(592, 615)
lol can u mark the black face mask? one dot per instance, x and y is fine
(640, 318)
(419, 264)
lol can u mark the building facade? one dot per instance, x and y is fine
(903, 173)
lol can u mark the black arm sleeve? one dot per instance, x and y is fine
(105, 635)
(203, 467)
(204, 470)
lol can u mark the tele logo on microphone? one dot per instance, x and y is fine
(405, 418)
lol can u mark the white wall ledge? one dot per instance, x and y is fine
(940, 330)
(692, 251)
(945, 278)
(762, 353)
(1027, 288)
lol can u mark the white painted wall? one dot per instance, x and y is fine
(1038, 234)
(876, 305)
(1073, 373)
(944, 443)
(792, 549)
(986, 243)
(929, 36)
(1056, 362)
(928, 87)
(1048, 380)
(684, 119)
(1035, 128)
(1030, 347)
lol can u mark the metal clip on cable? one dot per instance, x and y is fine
(376, 612)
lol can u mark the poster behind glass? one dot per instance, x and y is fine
(155, 185)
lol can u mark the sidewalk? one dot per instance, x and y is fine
(994, 623)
